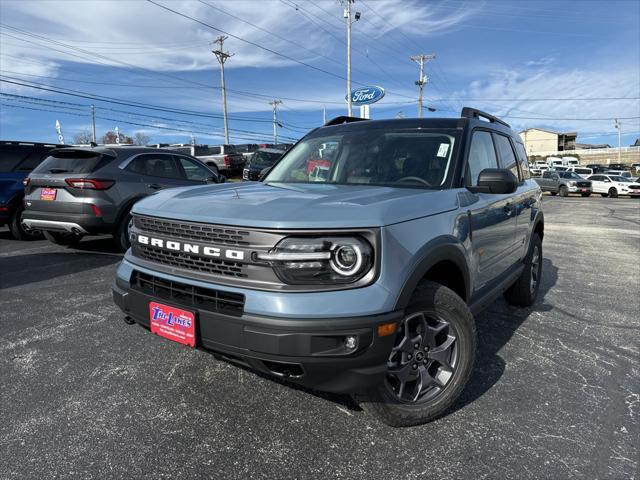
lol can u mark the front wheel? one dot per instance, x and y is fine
(613, 193)
(62, 238)
(564, 191)
(430, 363)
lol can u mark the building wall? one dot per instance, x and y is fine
(539, 141)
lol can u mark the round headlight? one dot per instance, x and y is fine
(346, 259)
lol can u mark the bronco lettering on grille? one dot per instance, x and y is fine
(191, 248)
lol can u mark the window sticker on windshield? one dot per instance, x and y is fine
(444, 148)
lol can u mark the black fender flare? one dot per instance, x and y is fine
(435, 251)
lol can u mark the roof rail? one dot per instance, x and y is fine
(343, 119)
(468, 112)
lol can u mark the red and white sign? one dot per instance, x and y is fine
(48, 194)
(173, 323)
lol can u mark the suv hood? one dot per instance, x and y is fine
(308, 206)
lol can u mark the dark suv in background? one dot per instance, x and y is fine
(17, 159)
(87, 191)
(261, 159)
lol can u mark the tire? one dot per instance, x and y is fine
(121, 234)
(586, 194)
(17, 230)
(447, 357)
(214, 167)
(64, 239)
(605, 195)
(525, 289)
(564, 191)
(613, 193)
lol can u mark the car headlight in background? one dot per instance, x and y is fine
(320, 260)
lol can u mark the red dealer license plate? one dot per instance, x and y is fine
(173, 323)
(48, 194)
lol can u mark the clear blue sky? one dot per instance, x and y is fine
(548, 64)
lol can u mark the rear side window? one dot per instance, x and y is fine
(523, 160)
(482, 155)
(507, 157)
(155, 165)
(73, 161)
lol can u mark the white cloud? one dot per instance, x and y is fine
(540, 82)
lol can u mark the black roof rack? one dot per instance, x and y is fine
(468, 112)
(343, 119)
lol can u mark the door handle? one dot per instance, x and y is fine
(508, 208)
(154, 186)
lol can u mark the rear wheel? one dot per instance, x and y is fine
(613, 193)
(525, 289)
(17, 230)
(63, 238)
(430, 363)
(564, 191)
(121, 235)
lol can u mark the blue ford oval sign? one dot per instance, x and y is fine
(366, 95)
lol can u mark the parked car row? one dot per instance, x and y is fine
(607, 185)
(66, 193)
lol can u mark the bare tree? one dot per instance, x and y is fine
(110, 138)
(141, 139)
(83, 138)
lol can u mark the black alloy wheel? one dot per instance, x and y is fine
(424, 358)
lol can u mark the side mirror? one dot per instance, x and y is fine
(496, 180)
(263, 173)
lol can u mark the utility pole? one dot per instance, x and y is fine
(422, 80)
(222, 57)
(93, 121)
(619, 128)
(347, 16)
(275, 104)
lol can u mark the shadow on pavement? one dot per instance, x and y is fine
(38, 267)
(496, 326)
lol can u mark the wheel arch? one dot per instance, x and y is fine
(442, 260)
(126, 208)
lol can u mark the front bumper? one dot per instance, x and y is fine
(576, 189)
(310, 352)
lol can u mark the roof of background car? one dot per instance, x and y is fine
(415, 123)
(271, 150)
(123, 151)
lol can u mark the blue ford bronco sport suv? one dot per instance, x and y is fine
(354, 266)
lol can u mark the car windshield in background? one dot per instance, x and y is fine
(73, 161)
(617, 178)
(262, 159)
(397, 158)
(570, 175)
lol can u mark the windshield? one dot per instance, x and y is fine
(399, 158)
(261, 159)
(570, 175)
(618, 178)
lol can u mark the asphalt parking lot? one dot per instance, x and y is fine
(555, 394)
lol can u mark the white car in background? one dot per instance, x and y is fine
(618, 173)
(614, 186)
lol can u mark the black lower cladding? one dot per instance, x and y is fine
(311, 352)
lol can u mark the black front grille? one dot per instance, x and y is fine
(583, 184)
(193, 231)
(208, 299)
(189, 262)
